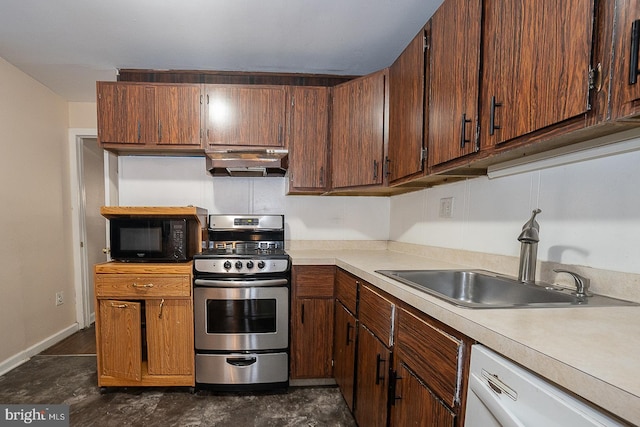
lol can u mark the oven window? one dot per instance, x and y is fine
(241, 316)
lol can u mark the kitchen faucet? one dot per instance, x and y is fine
(529, 249)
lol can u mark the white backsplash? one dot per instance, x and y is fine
(169, 181)
(590, 214)
(590, 210)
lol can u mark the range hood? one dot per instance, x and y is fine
(247, 162)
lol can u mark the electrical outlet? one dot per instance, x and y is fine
(59, 298)
(446, 207)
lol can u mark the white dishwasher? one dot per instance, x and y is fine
(502, 393)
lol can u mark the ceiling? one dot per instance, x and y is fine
(68, 45)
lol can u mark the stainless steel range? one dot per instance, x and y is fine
(241, 304)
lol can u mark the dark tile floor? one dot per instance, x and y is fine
(72, 380)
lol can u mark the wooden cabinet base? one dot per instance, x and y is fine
(148, 381)
(144, 339)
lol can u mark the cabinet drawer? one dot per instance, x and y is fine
(313, 281)
(435, 356)
(376, 313)
(347, 290)
(142, 285)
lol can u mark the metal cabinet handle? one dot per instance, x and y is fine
(146, 285)
(379, 360)
(302, 314)
(635, 44)
(492, 115)
(375, 169)
(159, 131)
(114, 305)
(161, 308)
(139, 131)
(387, 166)
(349, 327)
(463, 130)
(394, 386)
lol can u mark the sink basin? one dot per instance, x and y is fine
(484, 289)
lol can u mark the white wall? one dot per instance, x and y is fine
(590, 214)
(166, 181)
(591, 210)
(35, 255)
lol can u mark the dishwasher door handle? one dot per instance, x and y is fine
(491, 401)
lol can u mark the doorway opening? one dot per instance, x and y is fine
(93, 184)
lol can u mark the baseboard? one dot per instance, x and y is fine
(21, 357)
(312, 382)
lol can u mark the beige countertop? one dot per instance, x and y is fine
(592, 351)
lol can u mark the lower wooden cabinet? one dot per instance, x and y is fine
(436, 358)
(311, 339)
(395, 365)
(344, 351)
(312, 321)
(144, 335)
(373, 363)
(413, 404)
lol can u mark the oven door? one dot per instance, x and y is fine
(241, 318)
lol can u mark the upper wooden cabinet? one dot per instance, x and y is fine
(536, 61)
(625, 92)
(406, 113)
(308, 139)
(152, 116)
(454, 51)
(359, 131)
(245, 115)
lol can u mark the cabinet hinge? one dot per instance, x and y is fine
(595, 77)
(332, 363)
(201, 99)
(425, 43)
(423, 154)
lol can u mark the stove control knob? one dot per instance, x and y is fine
(227, 265)
(249, 264)
(261, 264)
(238, 265)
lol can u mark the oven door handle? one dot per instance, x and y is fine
(241, 361)
(240, 283)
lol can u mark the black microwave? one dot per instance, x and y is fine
(151, 239)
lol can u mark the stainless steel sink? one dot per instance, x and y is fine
(484, 289)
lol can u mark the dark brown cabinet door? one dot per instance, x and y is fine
(372, 380)
(308, 139)
(415, 405)
(626, 80)
(312, 321)
(240, 115)
(177, 115)
(344, 352)
(536, 58)
(121, 113)
(406, 112)
(454, 51)
(311, 343)
(149, 114)
(358, 131)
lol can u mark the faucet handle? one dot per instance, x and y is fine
(582, 283)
